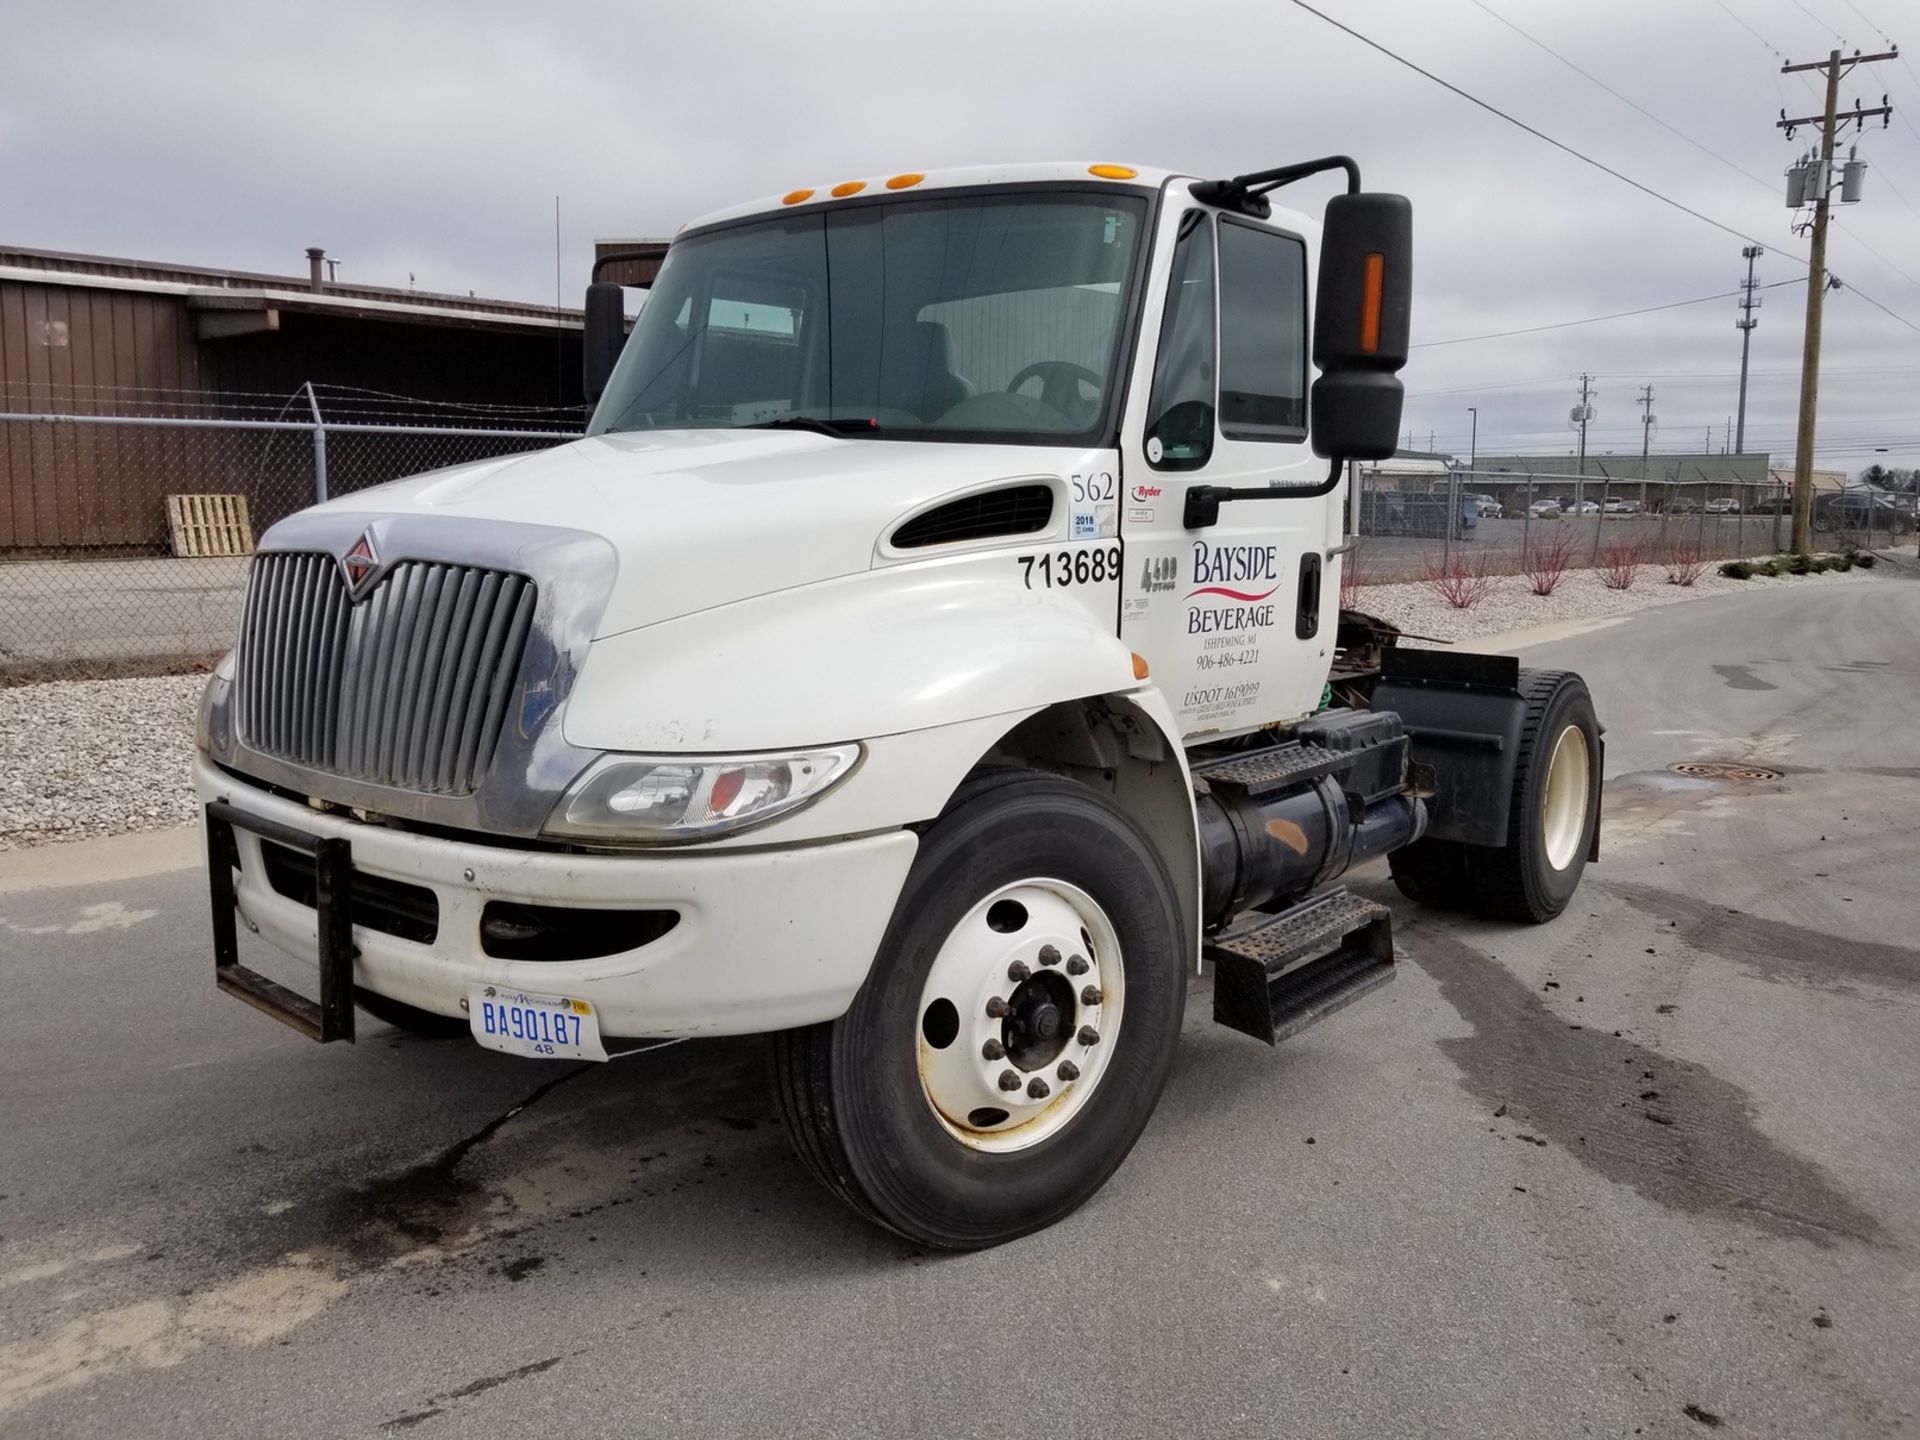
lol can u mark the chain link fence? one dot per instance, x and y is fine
(127, 519)
(1500, 520)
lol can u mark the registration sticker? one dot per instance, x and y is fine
(545, 1027)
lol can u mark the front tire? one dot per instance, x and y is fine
(1038, 940)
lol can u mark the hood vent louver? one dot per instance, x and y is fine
(988, 515)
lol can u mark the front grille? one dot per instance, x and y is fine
(409, 688)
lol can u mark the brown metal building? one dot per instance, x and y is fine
(92, 335)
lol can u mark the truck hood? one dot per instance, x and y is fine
(701, 518)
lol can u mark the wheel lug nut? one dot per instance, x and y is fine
(1090, 995)
(994, 1050)
(1077, 966)
(1018, 971)
(1088, 1035)
(1009, 1080)
(1049, 955)
(1038, 1088)
(1068, 1070)
(997, 1008)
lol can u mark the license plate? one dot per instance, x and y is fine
(545, 1027)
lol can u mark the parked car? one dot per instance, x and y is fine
(1620, 507)
(1544, 509)
(1723, 506)
(1861, 507)
(1683, 506)
(1489, 508)
(1583, 507)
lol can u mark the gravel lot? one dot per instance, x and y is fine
(1512, 606)
(102, 757)
(95, 757)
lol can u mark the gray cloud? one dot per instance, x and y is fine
(430, 138)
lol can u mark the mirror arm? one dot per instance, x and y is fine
(1247, 193)
(1202, 505)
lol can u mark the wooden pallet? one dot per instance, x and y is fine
(209, 525)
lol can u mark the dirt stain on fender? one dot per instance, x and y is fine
(1581, 1089)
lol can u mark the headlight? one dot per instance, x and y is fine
(681, 797)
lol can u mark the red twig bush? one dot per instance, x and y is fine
(1686, 562)
(1354, 573)
(1546, 560)
(1620, 564)
(1462, 579)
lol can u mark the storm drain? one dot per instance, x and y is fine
(1723, 770)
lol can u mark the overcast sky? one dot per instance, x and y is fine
(430, 138)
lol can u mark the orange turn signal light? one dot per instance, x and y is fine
(1139, 666)
(1372, 282)
(1113, 172)
(794, 197)
(902, 182)
(849, 187)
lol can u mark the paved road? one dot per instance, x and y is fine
(1652, 1170)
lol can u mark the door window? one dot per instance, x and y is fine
(1180, 411)
(1263, 334)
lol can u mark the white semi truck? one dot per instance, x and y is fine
(930, 656)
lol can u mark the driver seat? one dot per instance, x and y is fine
(917, 374)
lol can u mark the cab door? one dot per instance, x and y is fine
(1229, 617)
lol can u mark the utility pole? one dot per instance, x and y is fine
(1818, 183)
(1748, 304)
(1582, 416)
(1646, 439)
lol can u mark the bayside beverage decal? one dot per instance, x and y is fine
(1232, 585)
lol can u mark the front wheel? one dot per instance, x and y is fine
(1017, 1027)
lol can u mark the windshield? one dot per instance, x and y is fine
(971, 317)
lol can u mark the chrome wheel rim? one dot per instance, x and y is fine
(1019, 1015)
(1563, 803)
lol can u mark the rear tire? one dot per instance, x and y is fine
(1554, 809)
(877, 1102)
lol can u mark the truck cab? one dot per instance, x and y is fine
(931, 655)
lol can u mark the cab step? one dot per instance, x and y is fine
(1275, 975)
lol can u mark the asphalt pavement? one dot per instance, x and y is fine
(1651, 1170)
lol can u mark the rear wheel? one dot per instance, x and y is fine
(1554, 807)
(1017, 1027)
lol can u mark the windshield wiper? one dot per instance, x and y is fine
(820, 425)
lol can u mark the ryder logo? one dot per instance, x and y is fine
(1146, 492)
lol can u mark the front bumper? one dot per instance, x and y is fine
(767, 939)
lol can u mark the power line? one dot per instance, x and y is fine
(1818, 21)
(1521, 124)
(1595, 319)
(1883, 309)
(1768, 185)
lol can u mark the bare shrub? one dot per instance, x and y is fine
(1463, 579)
(1620, 563)
(1686, 562)
(1355, 571)
(1546, 560)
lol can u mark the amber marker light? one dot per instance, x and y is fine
(906, 181)
(849, 187)
(1139, 666)
(1372, 282)
(794, 197)
(1113, 172)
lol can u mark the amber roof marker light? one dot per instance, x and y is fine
(848, 187)
(794, 197)
(906, 180)
(1113, 172)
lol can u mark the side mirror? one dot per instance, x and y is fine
(603, 334)
(1362, 321)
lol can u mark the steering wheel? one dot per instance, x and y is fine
(1060, 382)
